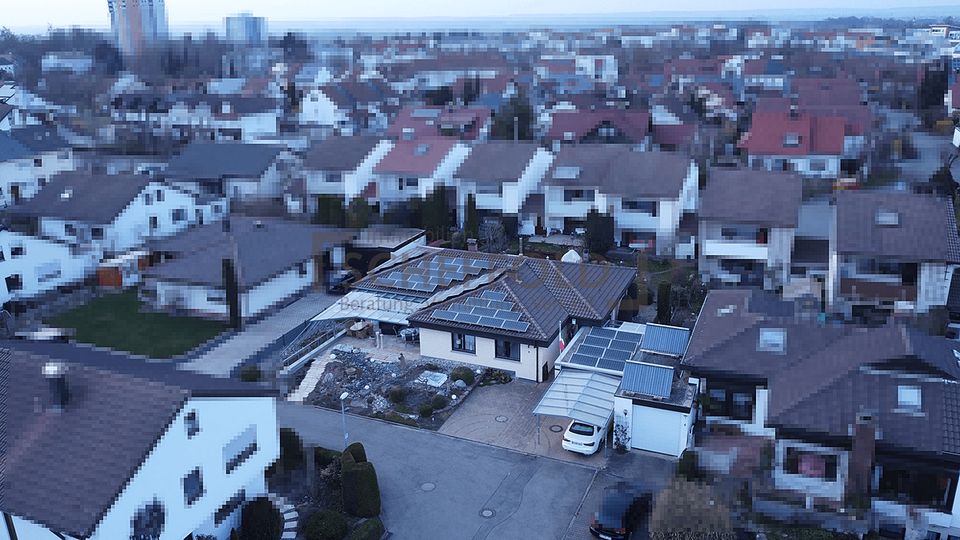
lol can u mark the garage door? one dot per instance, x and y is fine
(657, 430)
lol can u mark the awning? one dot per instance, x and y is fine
(580, 395)
(371, 306)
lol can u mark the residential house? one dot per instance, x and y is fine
(29, 156)
(349, 107)
(499, 176)
(100, 445)
(806, 144)
(341, 167)
(7, 115)
(463, 123)
(72, 61)
(854, 413)
(273, 260)
(8, 67)
(747, 223)
(377, 244)
(413, 169)
(238, 171)
(891, 250)
(599, 126)
(109, 213)
(952, 99)
(31, 267)
(646, 193)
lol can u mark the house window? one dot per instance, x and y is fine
(17, 251)
(302, 269)
(179, 215)
(147, 199)
(810, 464)
(464, 343)
(69, 229)
(217, 209)
(192, 486)
(507, 350)
(572, 195)
(648, 207)
(741, 407)
(791, 140)
(2, 258)
(192, 424)
(216, 296)
(154, 223)
(41, 181)
(14, 282)
(63, 154)
(38, 162)
(908, 398)
(148, 521)
(413, 182)
(818, 165)
(48, 271)
(333, 177)
(240, 449)
(97, 233)
(229, 507)
(159, 195)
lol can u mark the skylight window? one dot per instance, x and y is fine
(791, 140)
(886, 218)
(566, 173)
(772, 340)
(908, 397)
(421, 149)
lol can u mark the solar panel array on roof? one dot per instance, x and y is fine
(606, 348)
(489, 309)
(668, 340)
(648, 379)
(440, 271)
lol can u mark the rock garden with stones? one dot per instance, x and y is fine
(421, 394)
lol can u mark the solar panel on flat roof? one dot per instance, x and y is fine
(629, 336)
(583, 360)
(596, 341)
(516, 326)
(614, 354)
(669, 340)
(623, 345)
(648, 379)
(493, 295)
(613, 365)
(592, 351)
(603, 332)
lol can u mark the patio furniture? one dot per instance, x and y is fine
(409, 335)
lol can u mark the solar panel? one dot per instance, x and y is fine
(473, 301)
(589, 350)
(516, 326)
(396, 275)
(501, 305)
(583, 360)
(493, 295)
(603, 332)
(508, 315)
(629, 336)
(456, 260)
(623, 345)
(484, 311)
(596, 341)
(614, 354)
(462, 308)
(472, 270)
(614, 365)
(386, 282)
(492, 322)
(444, 315)
(468, 318)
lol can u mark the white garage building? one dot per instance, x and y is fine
(652, 400)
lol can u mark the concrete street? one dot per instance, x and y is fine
(437, 486)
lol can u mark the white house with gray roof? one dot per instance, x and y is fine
(341, 166)
(31, 266)
(239, 171)
(29, 157)
(101, 446)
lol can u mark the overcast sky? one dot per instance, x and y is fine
(38, 14)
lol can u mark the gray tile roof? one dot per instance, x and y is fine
(339, 153)
(85, 196)
(495, 162)
(752, 196)
(619, 170)
(11, 149)
(263, 251)
(926, 229)
(65, 469)
(212, 161)
(39, 138)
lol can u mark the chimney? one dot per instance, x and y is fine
(56, 375)
(861, 457)
(471, 244)
(226, 224)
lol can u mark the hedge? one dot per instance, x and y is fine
(260, 520)
(359, 486)
(323, 457)
(464, 374)
(371, 529)
(325, 525)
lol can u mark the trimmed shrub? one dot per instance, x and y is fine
(360, 489)
(391, 416)
(688, 467)
(260, 520)
(323, 457)
(426, 411)
(464, 374)
(431, 367)
(371, 529)
(397, 394)
(291, 450)
(439, 402)
(250, 373)
(234, 535)
(325, 525)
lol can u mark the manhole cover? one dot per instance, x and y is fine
(428, 486)
(556, 428)
(487, 513)
(501, 419)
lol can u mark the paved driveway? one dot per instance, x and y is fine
(436, 486)
(221, 360)
(502, 415)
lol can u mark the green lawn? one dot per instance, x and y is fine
(115, 321)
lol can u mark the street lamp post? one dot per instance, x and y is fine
(343, 417)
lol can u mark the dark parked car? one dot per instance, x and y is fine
(624, 508)
(339, 281)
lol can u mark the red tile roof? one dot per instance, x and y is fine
(673, 135)
(633, 124)
(816, 135)
(419, 157)
(427, 121)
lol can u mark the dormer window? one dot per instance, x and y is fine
(886, 218)
(192, 424)
(772, 340)
(908, 398)
(791, 140)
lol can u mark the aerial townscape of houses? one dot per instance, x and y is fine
(732, 245)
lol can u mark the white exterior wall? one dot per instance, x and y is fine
(813, 487)
(352, 182)
(776, 253)
(269, 293)
(175, 455)
(439, 344)
(802, 164)
(269, 185)
(934, 285)
(44, 266)
(254, 126)
(26, 175)
(512, 194)
(652, 429)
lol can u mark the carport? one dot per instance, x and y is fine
(372, 306)
(585, 396)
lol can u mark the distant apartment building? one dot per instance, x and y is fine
(137, 24)
(245, 29)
